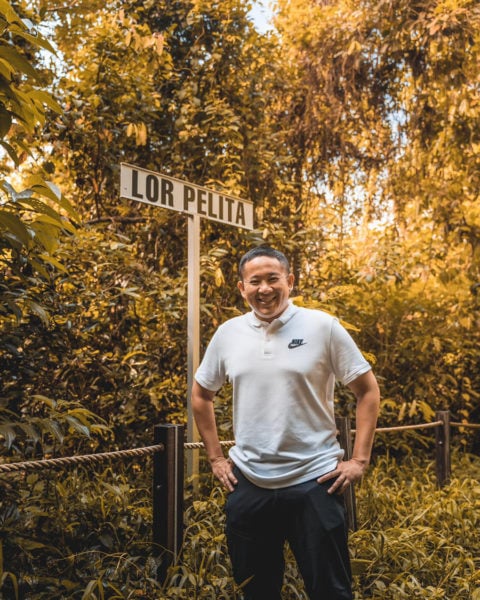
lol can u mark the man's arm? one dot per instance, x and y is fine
(204, 414)
(367, 393)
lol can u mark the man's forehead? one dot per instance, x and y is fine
(266, 265)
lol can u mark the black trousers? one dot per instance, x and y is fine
(259, 521)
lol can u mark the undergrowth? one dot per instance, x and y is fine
(78, 536)
(415, 540)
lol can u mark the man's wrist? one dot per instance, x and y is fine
(362, 461)
(215, 459)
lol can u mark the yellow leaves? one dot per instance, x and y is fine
(465, 322)
(139, 42)
(159, 41)
(354, 47)
(298, 300)
(219, 278)
(139, 130)
(370, 357)
(419, 408)
(472, 211)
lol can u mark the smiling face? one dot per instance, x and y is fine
(266, 286)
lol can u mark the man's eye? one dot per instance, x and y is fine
(273, 279)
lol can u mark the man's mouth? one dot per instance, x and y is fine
(266, 301)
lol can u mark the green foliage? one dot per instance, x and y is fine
(30, 229)
(33, 219)
(111, 345)
(49, 423)
(413, 319)
(69, 535)
(22, 105)
(417, 541)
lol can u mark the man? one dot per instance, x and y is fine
(285, 475)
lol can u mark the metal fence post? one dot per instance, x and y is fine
(345, 439)
(443, 466)
(168, 477)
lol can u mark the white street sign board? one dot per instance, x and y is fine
(168, 192)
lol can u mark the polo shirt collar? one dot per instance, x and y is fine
(281, 320)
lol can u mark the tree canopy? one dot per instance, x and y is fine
(353, 127)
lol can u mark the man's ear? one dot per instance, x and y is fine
(291, 280)
(241, 287)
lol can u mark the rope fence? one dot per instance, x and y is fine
(168, 488)
(229, 443)
(66, 461)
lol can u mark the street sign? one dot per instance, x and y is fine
(168, 192)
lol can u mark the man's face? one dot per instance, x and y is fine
(266, 286)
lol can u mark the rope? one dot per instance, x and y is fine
(138, 452)
(196, 445)
(86, 458)
(405, 427)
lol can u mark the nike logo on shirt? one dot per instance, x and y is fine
(296, 344)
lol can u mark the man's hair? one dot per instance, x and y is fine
(263, 251)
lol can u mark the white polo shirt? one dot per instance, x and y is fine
(283, 375)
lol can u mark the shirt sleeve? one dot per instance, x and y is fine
(211, 372)
(348, 362)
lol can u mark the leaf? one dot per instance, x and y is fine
(14, 224)
(219, 279)
(56, 222)
(39, 268)
(38, 310)
(13, 579)
(76, 425)
(7, 11)
(30, 430)
(13, 306)
(17, 60)
(46, 236)
(9, 189)
(133, 353)
(46, 189)
(50, 402)
(51, 260)
(54, 428)
(28, 544)
(5, 121)
(11, 152)
(131, 291)
(360, 565)
(7, 431)
(36, 204)
(50, 190)
(46, 98)
(36, 40)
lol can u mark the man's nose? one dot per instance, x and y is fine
(264, 285)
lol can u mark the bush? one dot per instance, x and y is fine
(89, 536)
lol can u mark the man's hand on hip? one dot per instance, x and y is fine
(347, 473)
(222, 469)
